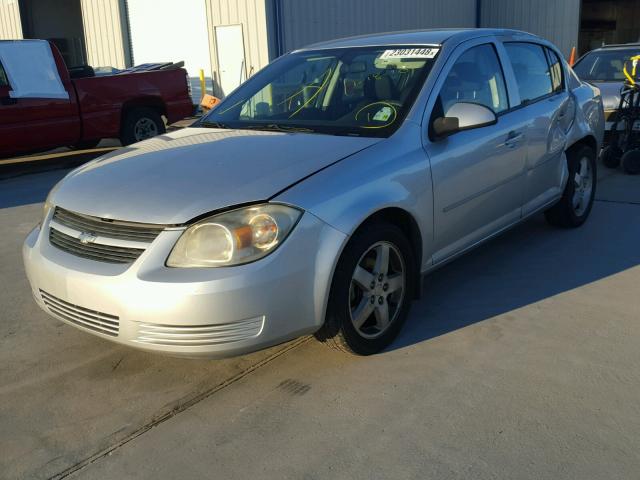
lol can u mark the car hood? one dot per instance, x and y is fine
(175, 177)
(610, 92)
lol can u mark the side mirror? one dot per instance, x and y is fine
(463, 116)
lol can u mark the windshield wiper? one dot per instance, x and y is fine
(275, 127)
(209, 124)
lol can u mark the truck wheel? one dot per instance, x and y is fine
(140, 124)
(371, 291)
(577, 199)
(611, 156)
(631, 161)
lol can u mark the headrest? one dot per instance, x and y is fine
(379, 88)
(384, 88)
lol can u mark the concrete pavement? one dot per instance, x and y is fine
(520, 361)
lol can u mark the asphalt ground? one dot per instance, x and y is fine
(521, 360)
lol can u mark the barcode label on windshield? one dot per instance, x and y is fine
(409, 53)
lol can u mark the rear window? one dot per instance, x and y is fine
(531, 69)
(604, 65)
(555, 68)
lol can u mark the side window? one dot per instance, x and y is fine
(531, 69)
(476, 77)
(555, 68)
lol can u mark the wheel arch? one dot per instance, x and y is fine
(406, 222)
(153, 102)
(588, 141)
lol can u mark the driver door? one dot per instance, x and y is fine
(477, 173)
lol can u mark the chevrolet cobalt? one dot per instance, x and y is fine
(314, 198)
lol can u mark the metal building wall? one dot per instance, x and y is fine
(252, 15)
(556, 20)
(10, 24)
(308, 21)
(106, 33)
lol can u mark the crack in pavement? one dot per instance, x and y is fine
(181, 407)
(621, 202)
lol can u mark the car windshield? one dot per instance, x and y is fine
(604, 65)
(348, 91)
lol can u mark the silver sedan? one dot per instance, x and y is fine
(314, 198)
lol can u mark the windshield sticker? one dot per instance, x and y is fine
(383, 114)
(403, 53)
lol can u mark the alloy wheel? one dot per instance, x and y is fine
(583, 186)
(145, 128)
(377, 289)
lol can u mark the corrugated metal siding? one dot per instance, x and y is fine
(251, 14)
(309, 21)
(556, 20)
(10, 24)
(105, 33)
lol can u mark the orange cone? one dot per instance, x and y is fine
(572, 57)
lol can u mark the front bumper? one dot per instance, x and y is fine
(199, 312)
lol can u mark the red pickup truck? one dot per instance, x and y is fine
(128, 106)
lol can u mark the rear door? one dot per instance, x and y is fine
(543, 98)
(477, 174)
(31, 124)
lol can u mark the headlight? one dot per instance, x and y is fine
(235, 237)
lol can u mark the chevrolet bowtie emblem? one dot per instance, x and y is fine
(86, 237)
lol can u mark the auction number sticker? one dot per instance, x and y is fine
(409, 53)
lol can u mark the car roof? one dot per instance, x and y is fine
(618, 46)
(415, 37)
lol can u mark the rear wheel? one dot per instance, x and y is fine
(371, 291)
(139, 124)
(631, 161)
(577, 199)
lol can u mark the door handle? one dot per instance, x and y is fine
(513, 138)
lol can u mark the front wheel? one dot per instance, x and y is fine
(371, 291)
(577, 199)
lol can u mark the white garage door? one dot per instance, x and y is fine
(172, 31)
(231, 61)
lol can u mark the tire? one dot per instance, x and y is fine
(348, 297)
(139, 124)
(611, 156)
(581, 185)
(631, 161)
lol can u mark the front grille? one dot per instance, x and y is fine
(113, 241)
(139, 232)
(93, 251)
(193, 336)
(83, 317)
